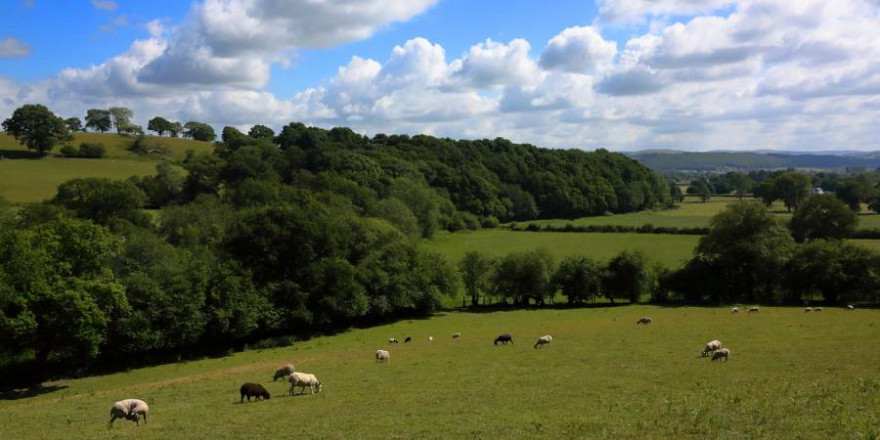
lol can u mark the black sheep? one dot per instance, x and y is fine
(408, 338)
(504, 338)
(253, 389)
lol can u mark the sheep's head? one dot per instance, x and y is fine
(320, 387)
(266, 395)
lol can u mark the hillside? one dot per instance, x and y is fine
(26, 178)
(679, 161)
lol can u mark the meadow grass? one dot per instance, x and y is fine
(671, 250)
(117, 145)
(791, 375)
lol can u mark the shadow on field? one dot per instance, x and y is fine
(501, 307)
(33, 391)
(20, 154)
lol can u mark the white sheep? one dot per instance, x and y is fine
(430, 339)
(808, 309)
(721, 353)
(754, 309)
(392, 340)
(283, 371)
(543, 340)
(850, 307)
(734, 310)
(129, 409)
(711, 346)
(304, 380)
(383, 355)
(644, 320)
(456, 335)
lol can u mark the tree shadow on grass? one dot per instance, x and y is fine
(20, 154)
(36, 390)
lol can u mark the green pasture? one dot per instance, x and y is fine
(117, 145)
(671, 250)
(792, 375)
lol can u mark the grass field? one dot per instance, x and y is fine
(791, 376)
(689, 214)
(32, 180)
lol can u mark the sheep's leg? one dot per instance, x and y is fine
(145, 418)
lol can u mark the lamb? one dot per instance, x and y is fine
(808, 309)
(504, 338)
(456, 335)
(721, 353)
(250, 389)
(543, 340)
(408, 339)
(383, 355)
(644, 320)
(734, 310)
(128, 409)
(304, 380)
(711, 346)
(392, 340)
(283, 371)
(754, 309)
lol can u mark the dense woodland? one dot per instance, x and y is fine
(299, 233)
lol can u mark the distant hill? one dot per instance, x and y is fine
(667, 161)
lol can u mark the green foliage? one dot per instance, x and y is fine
(837, 271)
(792, 188)
(164, 188)
(36, 127)
(74, 124)
(523, 276)
(199, 131)
(823, 217)
(700, 188)
(102, 200)
(854, 191)
(99, 120)
(160, 125)
(121, 117)
(261, 132)
(579, 278)
(92, 150)
(475, 269)
(629, 275)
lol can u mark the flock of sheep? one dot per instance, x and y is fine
(135, 409)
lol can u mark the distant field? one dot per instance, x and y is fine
(791, 376)
(671, 250)
(690, 214)
(31, 180)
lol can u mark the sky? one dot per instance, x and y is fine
(624, 75)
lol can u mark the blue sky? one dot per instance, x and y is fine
(617, 74)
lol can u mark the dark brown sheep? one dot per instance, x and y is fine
(253, 389)
(504, 338)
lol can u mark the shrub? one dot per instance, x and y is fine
(69, 151)
(91, 150)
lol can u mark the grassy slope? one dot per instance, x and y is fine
(671, 250)
(791, 375)
(30, 180)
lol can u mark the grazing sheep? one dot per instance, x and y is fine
(817, 309)
(408, 339)
(546, 339)
(283, 371)
(721, 353)
(456, 335)
(128, 409)
(504, 338)
(256, 390)
(383, 355)
(392, 340)
(644, 320)
(754, 310)
(430, 339)
(808, 309)
(304, 380)
(711, 346)
(734, 310)
(850, 307)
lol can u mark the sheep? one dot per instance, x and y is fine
(721, 353)
(304, 380)
(734, 310)
(382, 355)
(392, 340)
(283, 371)
(504, 338)
(754, 309)
(128, 409)
(408, 339)
(711, 346)
(644, 320)
(250, 389)
(543, 340)
(817, 309)
(456, 335)
(808, 309)
(850, 307)
(430, 339)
